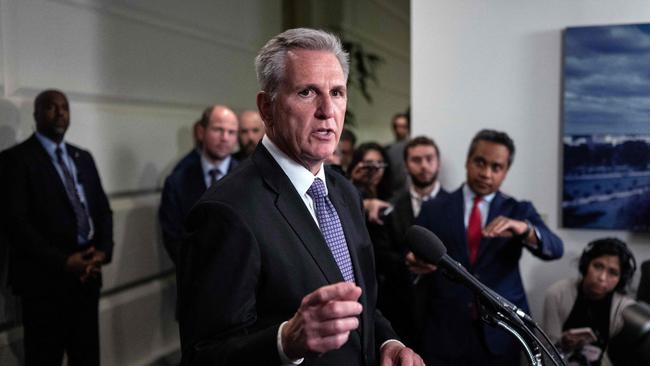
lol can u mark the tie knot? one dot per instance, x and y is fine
(58, 151)
(477, 199)
(317, 189)
(214, 173)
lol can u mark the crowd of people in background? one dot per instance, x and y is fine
(59, 224)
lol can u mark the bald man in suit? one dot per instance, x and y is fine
(60, 229)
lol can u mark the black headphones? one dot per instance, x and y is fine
(610, 246)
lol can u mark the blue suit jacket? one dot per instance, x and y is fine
(497, 266)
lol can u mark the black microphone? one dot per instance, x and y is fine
(428, 247)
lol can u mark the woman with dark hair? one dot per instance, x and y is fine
(370, 172)
(581, 316)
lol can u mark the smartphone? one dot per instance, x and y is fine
(386, 211)
(586, 334)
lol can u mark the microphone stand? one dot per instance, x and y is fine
(492, 313)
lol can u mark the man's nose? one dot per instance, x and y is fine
(325, 108)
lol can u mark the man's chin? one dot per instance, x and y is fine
(419, 183)
(217, 156)
(250, 149)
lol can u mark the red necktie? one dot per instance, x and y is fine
(474, 230)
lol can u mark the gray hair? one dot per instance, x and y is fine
(270, 61)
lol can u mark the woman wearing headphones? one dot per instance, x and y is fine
(582, 315)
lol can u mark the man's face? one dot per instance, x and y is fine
(487, 167)
(52, 116)
(401, 128)
(306, 118)
(422, 165)
(251, 131)
(220, 136)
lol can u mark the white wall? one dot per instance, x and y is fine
(137, 74)
(497, 64)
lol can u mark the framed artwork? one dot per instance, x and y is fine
(606, 127)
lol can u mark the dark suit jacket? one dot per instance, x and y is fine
(253, 253)
(497, 266)
(391, 248)
(41, 222)
(240, 155)
(401, 298)
(183, 187)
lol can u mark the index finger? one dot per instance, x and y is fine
(342, 291)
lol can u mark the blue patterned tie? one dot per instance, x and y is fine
(330, 227)
(83, 223)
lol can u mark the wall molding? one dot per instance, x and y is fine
(164, 276)
(138, 193)
(154, 20)
(28, 93)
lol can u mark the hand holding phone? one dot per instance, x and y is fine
(577, 337)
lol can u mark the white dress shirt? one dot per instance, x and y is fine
(483, 206)
(417, 200)
(222, 167)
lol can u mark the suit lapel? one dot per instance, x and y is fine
(343, 210)
(293, 209)
(403, 214)
(233, 164)
(456, 216)
(44, 160)
(196, 181)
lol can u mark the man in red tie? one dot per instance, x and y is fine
(486, 231)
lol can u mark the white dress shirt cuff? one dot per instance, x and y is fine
(283, 358)
(391, 340)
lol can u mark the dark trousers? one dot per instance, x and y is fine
(66, 323)
(474, 352)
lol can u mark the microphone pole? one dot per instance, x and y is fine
(495, 310)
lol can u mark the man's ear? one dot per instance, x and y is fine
(200, 132)
(265, 108)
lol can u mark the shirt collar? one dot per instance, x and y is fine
(468, 196)
(300, 177)
(222, 166)
(50, 146)
(434, 192)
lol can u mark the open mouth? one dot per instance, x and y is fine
(324, 132)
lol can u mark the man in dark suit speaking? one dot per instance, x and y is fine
(278, 268)
(61, 232)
